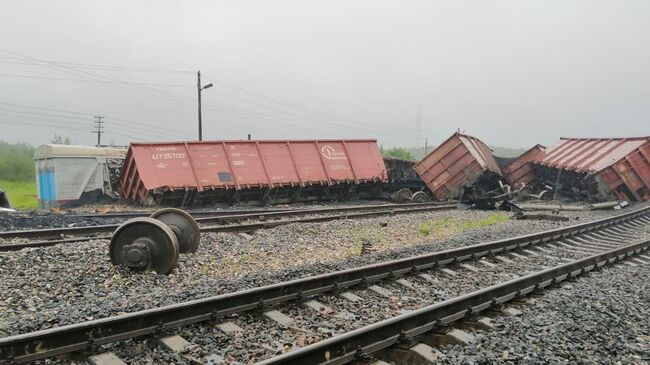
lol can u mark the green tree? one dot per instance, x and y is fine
(59, 139)
(16, 162)
(399, 152)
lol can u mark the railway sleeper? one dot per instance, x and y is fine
(436, 277)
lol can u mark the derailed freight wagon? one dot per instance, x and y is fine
(519, 172)
(68, 175)
(597, 169)
(462, 164)
(255, 172)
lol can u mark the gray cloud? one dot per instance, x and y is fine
(513, 73)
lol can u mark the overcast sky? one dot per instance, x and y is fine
(513, 73)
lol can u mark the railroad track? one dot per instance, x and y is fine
(193, 213)
(263, 220)
(434, 290)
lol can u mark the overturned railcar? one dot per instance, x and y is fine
(459, 163)
(520, 172)
(597, 169)
(251, 172)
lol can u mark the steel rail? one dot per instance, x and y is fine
(239, 227)
(349, 346)
(356, 208)
(76, 337)
(193, 213)
(244, 227)
(54, 232)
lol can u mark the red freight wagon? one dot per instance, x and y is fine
(520, 171)
(458, 162)
(621, 166)
(184, 173)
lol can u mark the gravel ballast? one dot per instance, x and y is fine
(63, 284)
(262, 339)
(603, 318)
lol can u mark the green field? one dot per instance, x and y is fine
(22, 194)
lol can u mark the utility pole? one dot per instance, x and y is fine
(199, 89)
(99, 128)
(426, 145)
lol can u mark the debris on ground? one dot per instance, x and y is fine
(4, 200)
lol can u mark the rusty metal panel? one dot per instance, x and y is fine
(520, 171)
(457, 162)
(622, 164)
(210, 165)
(590, 154)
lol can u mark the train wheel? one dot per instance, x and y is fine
(184, 226)
(144, 243)
(420, 197)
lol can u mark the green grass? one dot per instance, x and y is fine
(445, 226)
(22, 194)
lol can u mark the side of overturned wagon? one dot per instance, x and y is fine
(251, 172)
(459, 166)
(596, 169)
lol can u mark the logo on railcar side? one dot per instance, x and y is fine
(330, 153)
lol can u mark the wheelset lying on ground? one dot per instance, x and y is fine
(154, 243)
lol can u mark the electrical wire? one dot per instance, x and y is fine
(301, 122)
(89, 116)
(123, 129)
(86, 80)
(99, 67)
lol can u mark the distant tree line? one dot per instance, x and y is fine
(16, 161)
(417, 153)
(398, 152)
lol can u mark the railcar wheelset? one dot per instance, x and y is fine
(155, 242)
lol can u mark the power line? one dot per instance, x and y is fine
(86, 80)
(323, 122)
(181, 98)
(130, 134)
(42, 125)
(120, 83)
(98, 67)
(68, 68)
(347, 121)
(42, 108)
(42, 115)
(128, 124)
(275, 100)
(306, 122)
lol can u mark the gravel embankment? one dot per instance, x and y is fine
(600, 319)
(263, 339)
(53, 286)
